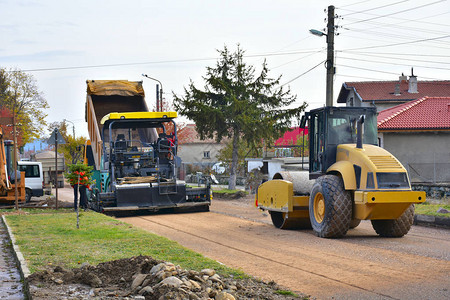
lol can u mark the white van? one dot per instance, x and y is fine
(34, 178)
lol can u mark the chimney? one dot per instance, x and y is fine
(412, 86)
(402, 78)
(397, 90)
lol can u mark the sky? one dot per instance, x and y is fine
(64, 43)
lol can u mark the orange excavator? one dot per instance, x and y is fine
(8, 182)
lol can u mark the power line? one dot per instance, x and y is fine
(398, 36)
(398, 44)
(297, 77)
(354, 3)
(374, 8)
(392, 63)
(378, 71)
(409, 59)
(298, 59)
(395, 13)
(398, 54)
(366, 69)
(402, 27)
(360, 77)
(160, 62)
(397, 26)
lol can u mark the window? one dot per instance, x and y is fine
(30, 170)
(206, 154)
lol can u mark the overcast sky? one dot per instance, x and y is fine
(64, 43)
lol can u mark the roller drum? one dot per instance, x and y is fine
(302, 185)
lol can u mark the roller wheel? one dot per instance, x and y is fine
(27, 195)
(354, 223)
(330, 207)
(279, 220)
(395, 228)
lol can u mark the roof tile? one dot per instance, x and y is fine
(384, 90)
(422, 114)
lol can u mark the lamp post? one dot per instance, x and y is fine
(329, 64)
(73, 127)
(159, 92)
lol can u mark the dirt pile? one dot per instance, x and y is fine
(143, 277)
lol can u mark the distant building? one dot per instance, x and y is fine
(418, 134)
(193, 150)
(386, 94)
(47, 158)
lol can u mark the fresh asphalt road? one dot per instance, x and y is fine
(358, 266)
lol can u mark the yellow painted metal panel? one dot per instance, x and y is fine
(385, 204)
(139, 115)
(300, 201)
(276, 195)
(390, 197)
(380, 211)
(345, 168)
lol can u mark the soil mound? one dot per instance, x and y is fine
(143, 277)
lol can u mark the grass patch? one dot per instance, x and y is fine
(36, 211)
(287, 293)
(53, 239)
(227, 191)
(431, 209)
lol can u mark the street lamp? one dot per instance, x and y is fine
(329, 64)
(159, 93)
(73, 127)
(317, 32)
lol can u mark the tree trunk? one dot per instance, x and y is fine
(234, 162)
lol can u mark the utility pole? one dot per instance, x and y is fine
(16, 178)
(329, 64)
(330, 56)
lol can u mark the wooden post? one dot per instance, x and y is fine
(16, 192)
(56, 169)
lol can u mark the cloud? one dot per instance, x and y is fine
(24, 42)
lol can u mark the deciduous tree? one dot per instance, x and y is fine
(72, 151)
(237, 104)
(20, 94)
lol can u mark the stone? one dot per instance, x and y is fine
(58, 281)
(208, 272)
(193, 296)
(224, 296)
(195, 285)
(138, 280)
(215, 278)
(146, 290)
(186, 283)
(139, 298)
(172, 281)
(442, 210)
(156, 269)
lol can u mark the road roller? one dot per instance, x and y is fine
(350, 179)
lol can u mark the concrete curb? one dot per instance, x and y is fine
(23, 268)
(432, 221)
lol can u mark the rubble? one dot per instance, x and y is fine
(143, 277)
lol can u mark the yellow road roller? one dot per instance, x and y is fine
(350, 179)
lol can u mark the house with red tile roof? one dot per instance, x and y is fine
(193, 150)
(386, 94)
(418, 134)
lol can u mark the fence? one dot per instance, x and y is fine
(429, 172)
